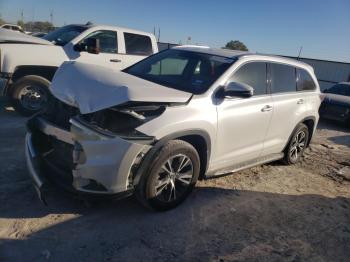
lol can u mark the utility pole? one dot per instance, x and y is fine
(22, 16)
(301, 48)
(51, 17)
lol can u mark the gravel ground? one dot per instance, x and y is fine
(267, 213)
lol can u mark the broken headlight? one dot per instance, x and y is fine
(123, 120)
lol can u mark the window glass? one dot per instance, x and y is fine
(7, 27)
(253, 74)
(282, 78)
(64, 34)
(305, 82)
(138, 44)
(183, 70)
(108, 41)
(169, 66)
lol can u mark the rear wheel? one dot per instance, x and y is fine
(297, 144)
(30, 94)
(171, 177)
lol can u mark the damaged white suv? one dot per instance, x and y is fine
(184, 114)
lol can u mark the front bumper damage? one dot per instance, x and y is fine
(82, 159)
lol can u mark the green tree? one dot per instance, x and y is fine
(236, 45)
(2, 21)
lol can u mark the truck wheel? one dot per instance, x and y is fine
(171, 176)
(297, 144)
(30, 94)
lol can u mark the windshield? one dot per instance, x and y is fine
(187, 71)
(64, 34)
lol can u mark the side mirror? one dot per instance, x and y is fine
(235, 89)
(80, 47)
(90, 45)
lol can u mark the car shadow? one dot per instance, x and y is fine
(341, 140)
(213, 224)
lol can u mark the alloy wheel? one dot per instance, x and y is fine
(298, 145)
(174, 177)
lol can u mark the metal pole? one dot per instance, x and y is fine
(301, 48)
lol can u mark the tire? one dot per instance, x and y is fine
(30, 94)
(158, 184)
(297, 144)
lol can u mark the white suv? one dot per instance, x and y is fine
(183, 114)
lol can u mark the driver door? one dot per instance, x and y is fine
(243, 122)
(108, 56)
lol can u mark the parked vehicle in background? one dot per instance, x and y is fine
(27, 63)
(183, 114)
(12, 27)
(336, 104)
(38, 34)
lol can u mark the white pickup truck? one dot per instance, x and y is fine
(28, 64)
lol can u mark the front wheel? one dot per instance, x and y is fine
(30, 94)
(171, 177)
(297, 144)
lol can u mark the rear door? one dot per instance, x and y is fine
(289, 106)
(308, 91)
(243, 122)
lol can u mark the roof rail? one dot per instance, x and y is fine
(197, 46)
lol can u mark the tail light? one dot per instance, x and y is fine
(322, 96)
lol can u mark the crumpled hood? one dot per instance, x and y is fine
(92, 88)
(10, 36)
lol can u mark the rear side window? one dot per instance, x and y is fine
(253, 74)
(282, 78)
(138, 44)
(305, 81)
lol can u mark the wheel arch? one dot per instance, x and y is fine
(310, 123)
(199, 139)
(46, 72)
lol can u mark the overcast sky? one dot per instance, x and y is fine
(276, 27)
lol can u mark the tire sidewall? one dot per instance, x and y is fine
(148, 178)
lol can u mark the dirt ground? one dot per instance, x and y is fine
(267, 213)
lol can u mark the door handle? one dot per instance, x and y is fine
(115, 60)
(300, 101)
(266, 108)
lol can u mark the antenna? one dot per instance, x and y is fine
(301, 48)
(51, 17)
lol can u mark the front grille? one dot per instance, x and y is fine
(61, 154)
(59, 113)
